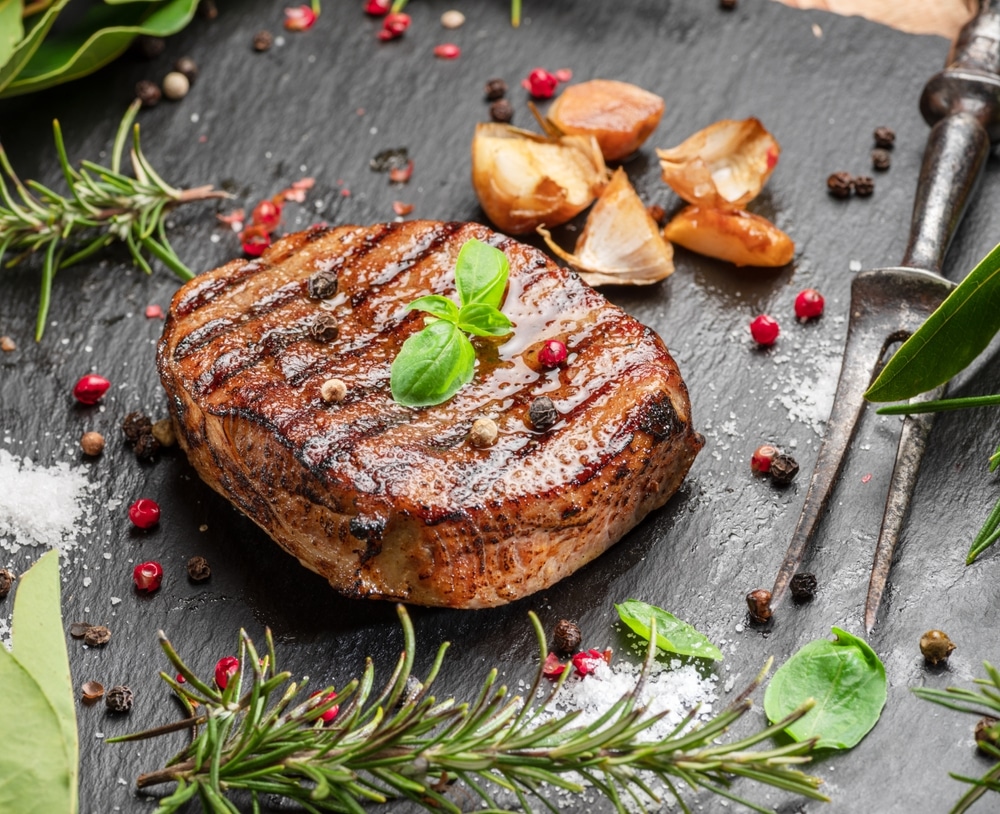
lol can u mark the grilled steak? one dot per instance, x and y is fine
(391, 502)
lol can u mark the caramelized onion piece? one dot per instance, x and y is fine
(524, 180)
(734, 235)
(621, 243)
(619, 115)
(725, 165)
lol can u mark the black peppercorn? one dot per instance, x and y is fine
(783, 469)
(198, 569)
(803, 587)
(262, 41)
(324, 327)
(208, 10)
(567, 636)
(759, 605)
(149, 47)
(136, 424)
(148, 93)
(864, 185)
(6, 581)
(79, 629)
(885, 137)
(840, 184)
(96, 636)
(501, 111)
(495, 89)
(146, 447)
(323, 285)
(119, 699)
(727, 5)
(881, 159)
(542, 413)
(188, 67)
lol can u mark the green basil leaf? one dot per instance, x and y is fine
(483, 320)
(432, 366)
(672, 634)
(438, 306)
(38, 27)
(949, 340)
(102, 35)
(11, 27)
(847, 681)
(39, 757)
(481, 274)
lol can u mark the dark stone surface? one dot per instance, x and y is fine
(269, 119)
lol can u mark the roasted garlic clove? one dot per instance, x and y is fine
(619, 115)
(734, 235)
(725, 165)
(621, 243)
(524, 180)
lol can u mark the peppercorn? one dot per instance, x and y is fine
(79, 629)
(148, 92)
(7, 345)
(119, 699)
(324, 327)
(803, 587)
(207, 9)
(150, 47)
(163, 432)
(864, 185)
(333, 391)
(92, 443)
(96, 636)
(175, 86)
(567, 636)
(840, 184)
(501, 111)
(727, 5)
(6, 581)
(146, 447)
(885, 137)
(760, 461)
(323, 284)
(188, 67)
(484, 433)
(262, 41)
(881, 159)
(92, 691)
(135, 425)
(783, 469)
(542, 413)
(198, 569)
(495, 89)
(986, 732)
(759, 604)
(452, 19)
(936, 646)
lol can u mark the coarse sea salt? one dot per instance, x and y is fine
(42, 505)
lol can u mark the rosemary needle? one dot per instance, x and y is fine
(105, 205)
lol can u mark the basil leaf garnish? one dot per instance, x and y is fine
(432, 366)
(672, 634)
(481, 274)
(483, 320)
(847, 682)
(436, 305)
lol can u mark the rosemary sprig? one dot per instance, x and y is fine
(104, 205)
(263, 736)
(986, 702)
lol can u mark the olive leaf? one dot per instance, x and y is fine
(847, 681)
(39, 757)
(672, 634)
(103, 34)
(949, 340)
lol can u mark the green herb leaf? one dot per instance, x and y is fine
(432, 366)
(11, 27)
(483, 320)
(38, 27)
(481, 274)
(672, 634)
(949, 340)
(440, 307)
(39, 757)
(846, 679)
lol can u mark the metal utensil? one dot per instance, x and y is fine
(962, 103)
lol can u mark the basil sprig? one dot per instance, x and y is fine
(434, 364)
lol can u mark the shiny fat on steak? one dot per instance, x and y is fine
(392, 502)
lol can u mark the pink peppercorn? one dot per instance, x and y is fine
(552, 354)
(331, 713)
(148, 576)
(378, 8)
(761, 459)
(809, 304)
(764, 330)
(144, 513)
(540, 84)
(447, 50)
(225, 669)
(90, 388)
(394, 26)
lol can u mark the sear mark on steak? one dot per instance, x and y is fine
(395, 503)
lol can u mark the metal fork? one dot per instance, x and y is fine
(962, 104)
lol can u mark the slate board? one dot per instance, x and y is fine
(253, 123)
